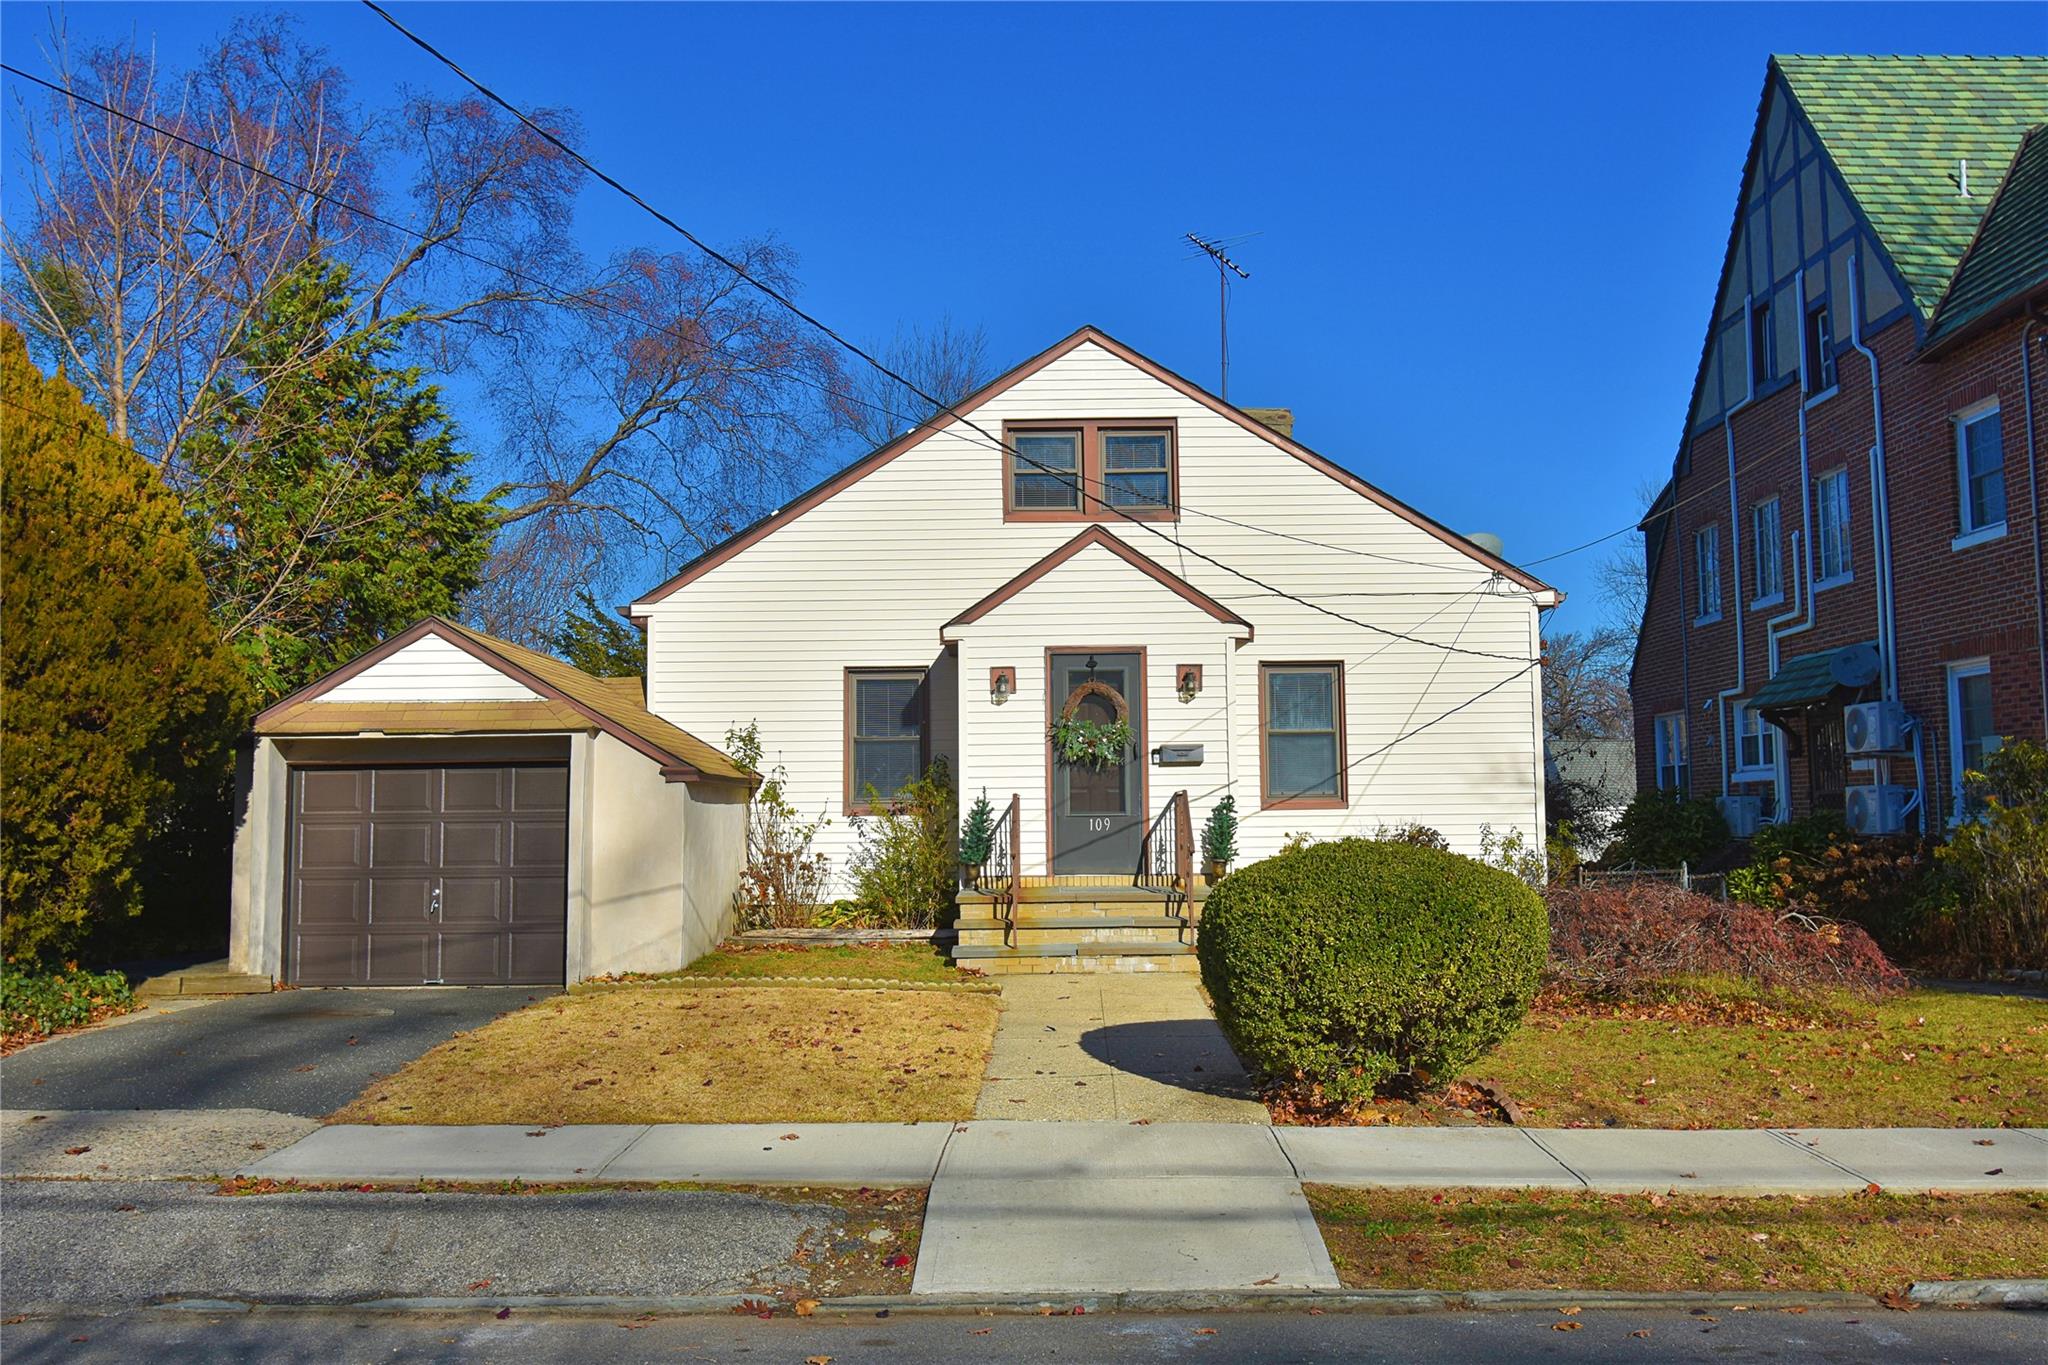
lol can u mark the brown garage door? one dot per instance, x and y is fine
(407, 876)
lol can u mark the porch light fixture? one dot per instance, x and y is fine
(1188, 681)
(1002, 682)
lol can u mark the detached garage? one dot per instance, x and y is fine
(454, 809)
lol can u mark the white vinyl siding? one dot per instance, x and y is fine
(1831, 511)
(1764, 539)
(867, 578)
(431, 669)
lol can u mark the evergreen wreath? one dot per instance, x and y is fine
(1095, 744)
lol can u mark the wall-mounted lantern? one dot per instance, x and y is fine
(1002, 685)
(1187, 680)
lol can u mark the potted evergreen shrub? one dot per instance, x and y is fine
(1219, 838)
(976, 836)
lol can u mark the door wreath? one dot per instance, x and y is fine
(1092, 743)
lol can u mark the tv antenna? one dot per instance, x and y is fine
(1213, 247)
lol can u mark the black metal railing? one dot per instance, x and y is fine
(999, 873)
(1166, 860)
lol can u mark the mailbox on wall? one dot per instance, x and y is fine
(1178, 755)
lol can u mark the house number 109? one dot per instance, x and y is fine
(1101, 823)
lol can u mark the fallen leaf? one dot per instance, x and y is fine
(1205, 1331)
(981, 1331)
(502, 1314)
(898, 1261)
(1270, 1279)
(817, 1360)
(787, 1137)
(1566, 1326)
(1640, 1332)
(124, 1208)
(76, 1151)
(806, 1307)
(1897, 1301)
(1873, 1188)
(1570, 1312)
(1996, 1170)
(1986, 1142)
(1795, 1308)
(480, 1284)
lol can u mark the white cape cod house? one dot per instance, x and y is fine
(1270, 627)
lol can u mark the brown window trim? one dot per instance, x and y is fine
(1093, 507)
(1342, 800)
(853, 804)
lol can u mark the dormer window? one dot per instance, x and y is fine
(1090, 470)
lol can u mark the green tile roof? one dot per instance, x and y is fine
(2010, 255)
(1897, 127)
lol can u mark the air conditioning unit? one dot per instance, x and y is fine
(1875, 727)
(1877, 809)
(1743, 814)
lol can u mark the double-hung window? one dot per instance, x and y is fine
(1770, 569)
(1674, 772)
(1090, 470)
(1706, 548)
(1756, 741)
(1831, 510)
(1980, 471)
(1301, 734)
(1045, 471)
(1971, 732)
(885, 714)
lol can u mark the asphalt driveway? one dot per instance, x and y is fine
(304, 1052)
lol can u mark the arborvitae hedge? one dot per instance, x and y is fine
(1349, 963)
(121, 705)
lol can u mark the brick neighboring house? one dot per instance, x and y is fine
(1852, 515)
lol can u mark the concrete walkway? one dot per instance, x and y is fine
(1103, 1206)
(1113, 1045)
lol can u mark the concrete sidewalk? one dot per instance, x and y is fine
(1709, 1161)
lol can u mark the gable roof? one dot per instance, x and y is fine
(2008, 258)
(613, 705)
(939, 422)
(1096, 535)
(1897, 128)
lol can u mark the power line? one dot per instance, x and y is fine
(994, 442)
(596, 301)
(780, 298)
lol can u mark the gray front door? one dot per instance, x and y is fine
(1098, 814)
(408, 876)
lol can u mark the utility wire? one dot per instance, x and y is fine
(776, 295)
(597, 302)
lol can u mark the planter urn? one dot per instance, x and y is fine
(1216, 869)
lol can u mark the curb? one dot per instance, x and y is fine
(2021, 1295)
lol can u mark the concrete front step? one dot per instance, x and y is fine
(206, 979)
(1028, 934)
(1078, 957)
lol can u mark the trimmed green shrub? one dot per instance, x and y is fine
(43, 1002)
(1664, 829)
(121, 703)
(1348, 964)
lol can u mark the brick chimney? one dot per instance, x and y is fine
(1280, 419)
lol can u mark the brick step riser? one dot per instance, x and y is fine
(1049, 966)
(1029, 935)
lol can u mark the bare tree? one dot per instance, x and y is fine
(1585, 685)
(944, 360)
(1623, 578)
(648, 406)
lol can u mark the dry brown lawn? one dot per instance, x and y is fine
(750, 1054)
(1502, 1239)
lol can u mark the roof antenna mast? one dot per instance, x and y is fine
(1225, 267)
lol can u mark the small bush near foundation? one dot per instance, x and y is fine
(38, 1003)
(1664, 829)
(903, 870)
(1347, 965)
(1997, 862)
(1609, 941)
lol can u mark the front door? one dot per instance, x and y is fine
(1098, 808)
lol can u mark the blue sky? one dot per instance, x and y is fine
(1488, 234)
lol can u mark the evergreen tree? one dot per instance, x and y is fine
(335, 510)
(121, 704)
(599, 643)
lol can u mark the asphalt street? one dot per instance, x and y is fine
(292, 1052)
(171, 1338)
(110, 1244)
